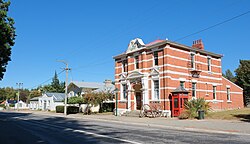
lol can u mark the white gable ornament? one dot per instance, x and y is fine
(135, 44)
(122, 77)
(154, 72)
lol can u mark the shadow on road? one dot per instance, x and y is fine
(50, 129)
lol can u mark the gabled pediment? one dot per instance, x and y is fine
(154, 72)
(44, 96)
(134, 75)
(122, 76)
(135, 45)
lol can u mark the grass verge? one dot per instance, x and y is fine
(237, 114)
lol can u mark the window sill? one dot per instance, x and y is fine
(229, 101)
(209, 72)
(122, 101)
(155, 101)
(214, 101)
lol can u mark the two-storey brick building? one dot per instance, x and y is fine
(149, 73)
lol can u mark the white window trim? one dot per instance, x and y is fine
(195, 92)
(214, 92)
(209, 63)
(153, 90)
(124, 67)
(154, 58)
(228, 94)
(135, 62)
(121, 91)
(192, 53)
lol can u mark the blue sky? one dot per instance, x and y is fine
(88, 34)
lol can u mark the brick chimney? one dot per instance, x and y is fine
(198, 44)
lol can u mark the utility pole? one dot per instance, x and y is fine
(66, 86)
(18, 94)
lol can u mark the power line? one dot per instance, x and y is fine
(205, 29)
(46, 80)
(210, 27)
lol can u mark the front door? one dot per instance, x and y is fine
(138, 100)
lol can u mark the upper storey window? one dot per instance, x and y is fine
(156, 61)
(192, 60)
(136, 62)
(124, 66)
(209, 63)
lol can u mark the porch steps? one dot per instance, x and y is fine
(133, 113)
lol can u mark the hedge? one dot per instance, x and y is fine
(70, 109)
(107, 107)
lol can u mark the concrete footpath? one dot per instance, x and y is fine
(206, 125)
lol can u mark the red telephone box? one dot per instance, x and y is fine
(179, 96)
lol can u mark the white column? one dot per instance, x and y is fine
(145, 90)
(129, 95)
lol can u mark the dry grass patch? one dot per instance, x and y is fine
(237, 114)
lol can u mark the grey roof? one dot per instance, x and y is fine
(56, 96)
(181, 46)
(106, 88)
(94, 85)
(180, 89)
(34, 99)
(99, 87)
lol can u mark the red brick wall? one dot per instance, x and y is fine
(174, 63)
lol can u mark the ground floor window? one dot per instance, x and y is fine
(124, 91)
(228, 94)
(214, 92)
(156, 89)
(193, 89)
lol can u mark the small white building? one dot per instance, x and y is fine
(21, 105)
(49, 101)
(34, 105)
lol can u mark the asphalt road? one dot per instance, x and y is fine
(21, 128)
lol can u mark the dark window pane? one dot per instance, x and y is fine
(176, 104)
(156, 58)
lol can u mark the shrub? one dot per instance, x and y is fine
(70, 109)
(107, 107)
(59, 109)
(11, 105)
(3, 106)
(183, 115)
(193, 106)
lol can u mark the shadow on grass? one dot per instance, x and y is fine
(243, 117)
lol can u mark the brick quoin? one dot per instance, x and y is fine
(170, 63)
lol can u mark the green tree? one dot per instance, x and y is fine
(7, 34)
(2, 94)
(97, 98)
(229, 75)
(10, 93)
(243, 79)
(34, 93)
(24, 94)
(55, 85)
